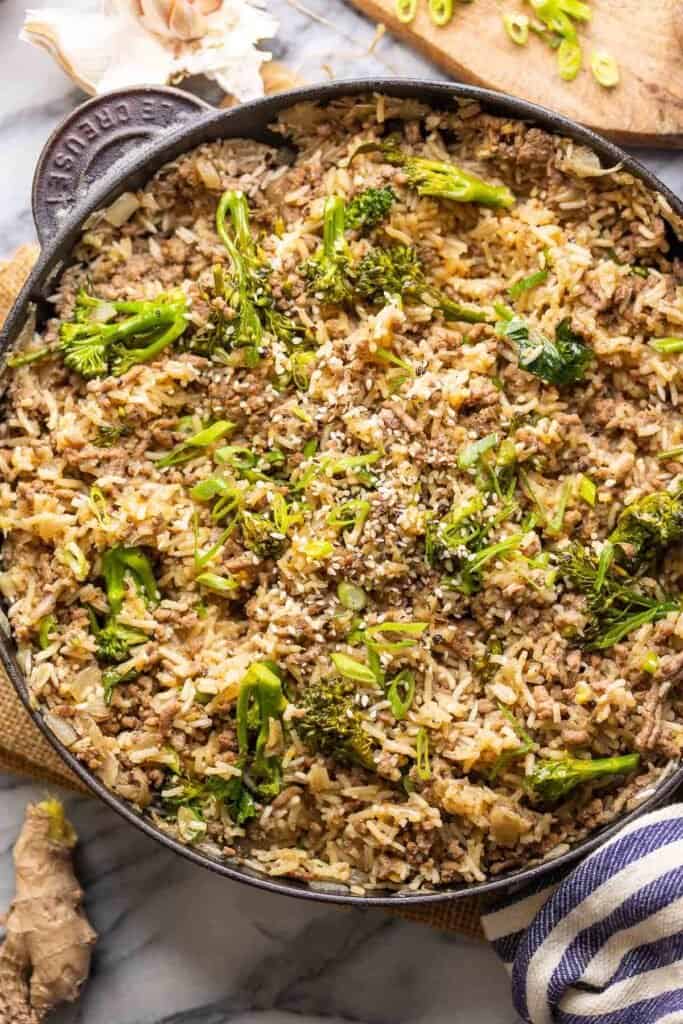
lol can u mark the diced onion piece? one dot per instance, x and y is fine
(208, 173)
(122, 209)
(62, 729)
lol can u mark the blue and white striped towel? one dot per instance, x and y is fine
(604, 943)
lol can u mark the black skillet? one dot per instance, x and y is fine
(113, 144)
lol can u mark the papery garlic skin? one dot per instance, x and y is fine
(150, 42)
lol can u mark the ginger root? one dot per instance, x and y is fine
(45, 957)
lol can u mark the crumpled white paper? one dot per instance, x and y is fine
(150, 42)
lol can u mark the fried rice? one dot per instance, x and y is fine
(502, 679)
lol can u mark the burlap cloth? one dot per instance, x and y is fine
(23, 749)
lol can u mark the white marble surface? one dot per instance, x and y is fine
(177, 944)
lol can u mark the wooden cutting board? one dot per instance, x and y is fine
(645, 36)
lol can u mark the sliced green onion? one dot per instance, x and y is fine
(650, 663)
(411, 628)
(218, 584)
(98, 504)
(318, 549)
(191, 825)
(604, 562)
(310, 448)
(301, 414)
(605, 69)
(470, 455)
(424, 770)
(527, 283)
(352, 597)
(352, 669)
(672, 453)
(517, 27)
(401, 693)
(667, 346)
(375, 663)
(569, 59)
(191, 448)
(411, 631)
(186, 424)
(46, 627)
(441, 11)
(587, 490)
(557, 521)
(301, 366)
(406, 10)
(503, 312)
(203, 558)
(349, 513)
(529, 491)
(351, 462)
(385, 355)
(73, 558)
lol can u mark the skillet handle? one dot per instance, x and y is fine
(98, 136)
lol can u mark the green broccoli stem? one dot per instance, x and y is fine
(119, 562)
(327, 270)
(333, 226)
(125, 358)
(441, 179)
(261, 690)
(551, 780)
(457, 312)
(146, 322)
(235, 204)
(34, 356)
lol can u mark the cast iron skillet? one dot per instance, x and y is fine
(115, 143)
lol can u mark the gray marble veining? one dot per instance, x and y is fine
(177, 944)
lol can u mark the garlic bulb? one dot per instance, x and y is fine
(149, 42)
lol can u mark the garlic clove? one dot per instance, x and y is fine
(186, 21)
(208, 6)
(133, 42)
(154, 16)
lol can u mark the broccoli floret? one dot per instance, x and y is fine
(551, 780)
(112, 677)
(615, 607)
(332, 725)
(383, 273)
(460, 538)
(114, 640)
(260, 534)
(195, 792)
(260, 702)
(95, 347)
(369, 208)
(84, 350)
(441, 179)
(646, 527)
(327, 271)
(123, 358)
(251, 298)
(561, 362)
